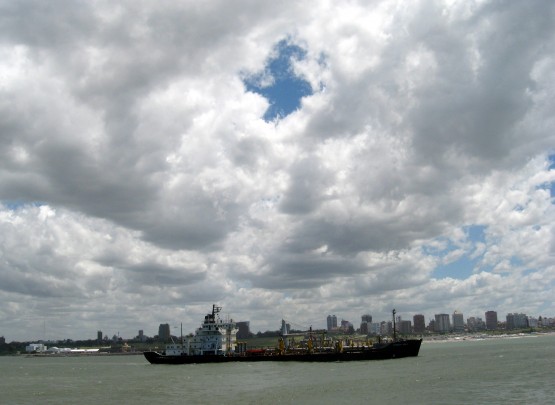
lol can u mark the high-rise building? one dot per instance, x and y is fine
(99, 336)
(347, 326)
(516, 321)
(405, 327)
(491, 320)
(386, 328)
(532, 322)
(442, 324)
(510, 321)
(243, 330)
(475, 324)
(419, 323)
(364, 328)
(458, 322)
(332, 322)
(164, 332)
(521, 321)
(365, 324)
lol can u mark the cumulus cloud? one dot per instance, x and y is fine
(141, 179)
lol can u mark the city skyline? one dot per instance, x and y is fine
(282, 159)
(171, 329)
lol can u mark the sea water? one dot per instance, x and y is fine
(491, 371)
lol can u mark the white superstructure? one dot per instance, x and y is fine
(36, 348)
(214, 337)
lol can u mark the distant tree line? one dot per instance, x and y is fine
(274, 333)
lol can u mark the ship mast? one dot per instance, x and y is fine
(394, 328)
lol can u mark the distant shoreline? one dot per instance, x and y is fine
(89, 354)
(479, 337)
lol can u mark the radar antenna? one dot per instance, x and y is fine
(215, 309)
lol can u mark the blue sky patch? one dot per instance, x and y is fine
(460, 269)
(527, 272)
(516, 261)
(278, 82)
(464, 266)
(14, 205)
(476, 233)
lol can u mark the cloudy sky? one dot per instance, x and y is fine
(282, 159)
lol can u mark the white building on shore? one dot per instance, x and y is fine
(35, 348)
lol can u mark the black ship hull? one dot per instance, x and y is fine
(394, 350)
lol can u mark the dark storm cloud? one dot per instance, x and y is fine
(290, 271)
(155, 274)
(19, 282)
(37, 279)
(51, 24)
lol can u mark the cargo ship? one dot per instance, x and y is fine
(216, 342)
